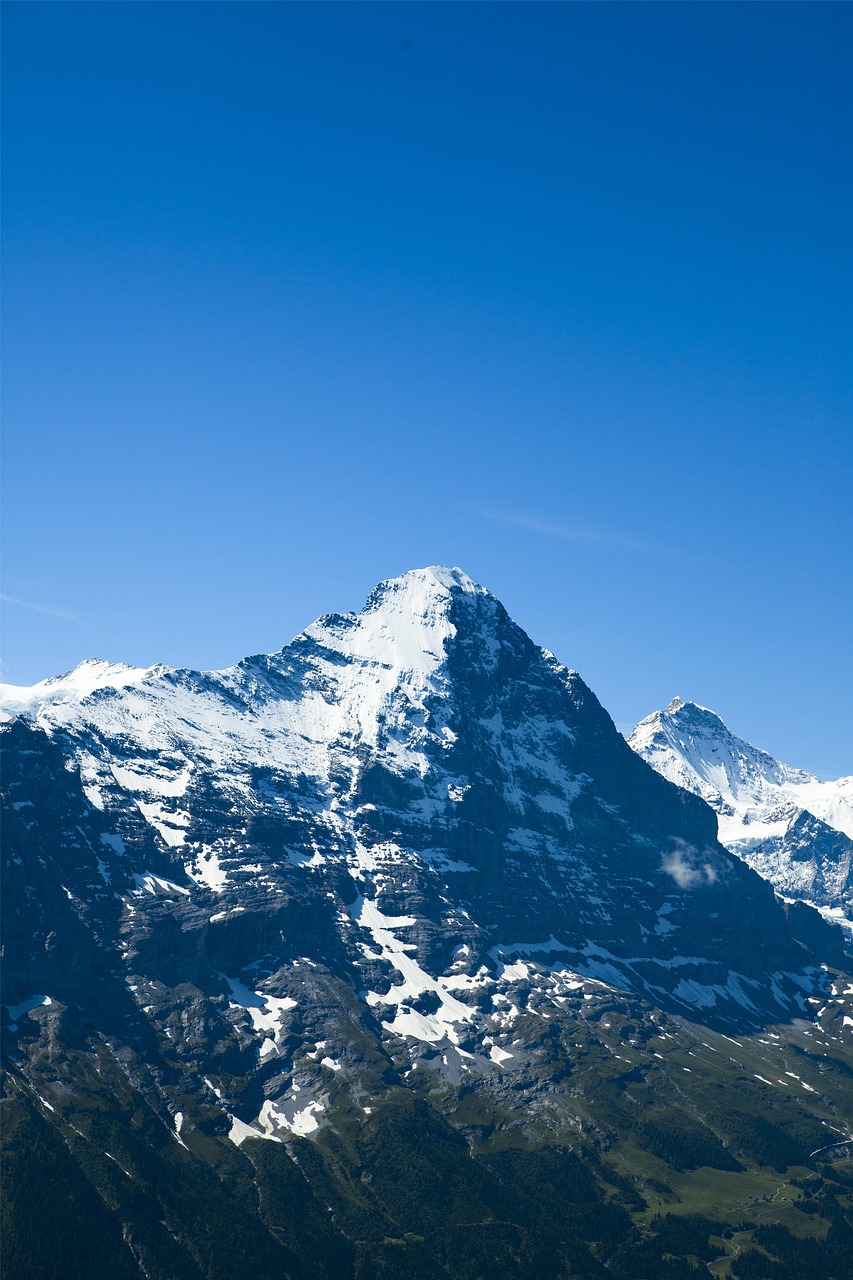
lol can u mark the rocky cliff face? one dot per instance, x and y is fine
(793, 829)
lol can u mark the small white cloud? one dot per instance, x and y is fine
(685, 876)
(685, 868)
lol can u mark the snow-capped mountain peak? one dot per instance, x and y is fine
(377, 680)
(403, 626)
(79, 683)
(759, 801)
(405, 622)
(426, 754)
(404, 847)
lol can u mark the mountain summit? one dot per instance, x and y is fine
(792, 828)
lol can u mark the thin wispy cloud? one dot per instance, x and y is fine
(576, 532)
(39, 608)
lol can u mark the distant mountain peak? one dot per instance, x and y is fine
(79, 683)
(760, 803)
(692, 716)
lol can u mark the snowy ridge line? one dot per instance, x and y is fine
(377, 679)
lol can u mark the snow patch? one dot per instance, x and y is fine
(265, 1011)
(17, 1011)
(207, 870)
(433, 1027)
(147, 882)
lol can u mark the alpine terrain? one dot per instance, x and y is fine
(386, 956)
(795, 830)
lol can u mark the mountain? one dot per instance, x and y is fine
(793, 829)
(347, 960)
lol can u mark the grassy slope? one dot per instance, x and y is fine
(641, 1148)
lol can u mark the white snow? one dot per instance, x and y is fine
(265, 1011)
(207, 870)
(298, 1112)
(240, 1131)
(74, 686)
(526, 948)
(17, 1011)
(147, 882)
(294, 1113)
(499, 1055)
(169, 823)
(430, 1027)
(692, 747)
(362, 678)
(152, 781)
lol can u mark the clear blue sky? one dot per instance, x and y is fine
(299, 296)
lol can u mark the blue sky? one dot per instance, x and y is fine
(299, 296)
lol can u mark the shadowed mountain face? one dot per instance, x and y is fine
(408, 856)
(793, 829)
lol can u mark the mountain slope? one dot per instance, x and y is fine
(792, 828)
(274, 933)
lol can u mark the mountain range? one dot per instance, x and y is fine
(378, 944)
